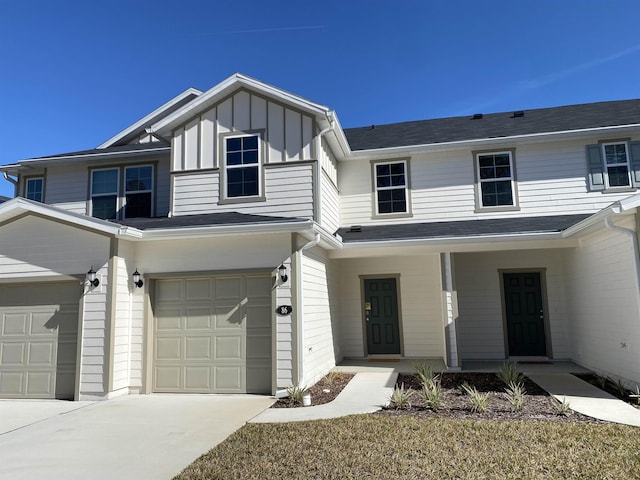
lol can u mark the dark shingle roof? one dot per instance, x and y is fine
(461, 228)
(101, 151)
(205, 220)
(495, 125)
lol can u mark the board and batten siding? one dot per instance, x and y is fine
(551, 180)
(288, 133)
(480, 325)
(318, 327)
(420, 303)
(602, 296)
(288, 191)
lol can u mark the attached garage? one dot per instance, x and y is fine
(212, 334)
(38, 340)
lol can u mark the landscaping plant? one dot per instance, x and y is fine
(432, 394)
(424, 370)
(401, 397)
(514, 394)
(479, 401)
(296, 392)
(509, 373)
(563, 408)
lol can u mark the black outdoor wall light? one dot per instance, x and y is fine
(91, 276)
(136, 279)
(282, 270)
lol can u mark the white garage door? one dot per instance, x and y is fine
(212, 335)
(38, 340)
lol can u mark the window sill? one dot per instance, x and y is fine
(620, 190)
(232, 200)
(496, 209)
(383, 216)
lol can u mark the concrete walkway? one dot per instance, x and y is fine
(367, 392)
(586, 399)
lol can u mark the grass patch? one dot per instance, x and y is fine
(383, 447)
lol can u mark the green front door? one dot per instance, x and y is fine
(525, 315)
(381, 316)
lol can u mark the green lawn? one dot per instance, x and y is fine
(386, 447)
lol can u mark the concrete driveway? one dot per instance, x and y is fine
(132, 437)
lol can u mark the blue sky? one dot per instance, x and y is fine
(74, 73)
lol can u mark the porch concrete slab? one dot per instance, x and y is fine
(525, 367)
(15, 414)
(587, 399)
(403, 365)
(131, 437)
(367, 392)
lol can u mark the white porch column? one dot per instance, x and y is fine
(450, 312)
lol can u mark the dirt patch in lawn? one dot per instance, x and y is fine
(325, 391)
(538, 404)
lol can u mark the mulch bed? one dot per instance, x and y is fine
(537, 404)
(334, 383)
(608, 386)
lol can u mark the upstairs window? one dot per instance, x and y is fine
(104, 193)
(496, 179)
(34, 189)
(613, 165)
(242, 166)
(391, 187)
(138, 187)
(112, 199)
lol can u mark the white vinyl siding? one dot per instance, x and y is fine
(67, 188)
(319, 355)
(419, 297)
(288, 137)
(602, 297)
(330, 205)
(552, 180)
(480, 325)
(288, 192)
(285, 335)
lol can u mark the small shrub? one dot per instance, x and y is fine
(479, 401)
(601, 380)
(464, 388)
(424, 370)
(432, 394)
(296, 392)
(515, 394)
(509, 373)
(619, 387)
(401, 397)
(332, 377)
(562, 408)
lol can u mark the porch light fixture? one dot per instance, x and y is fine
(282, 270)
(136, 279)
(91, 276)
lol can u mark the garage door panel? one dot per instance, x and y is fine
(198, 289)
(41, 353)
(198, 318)
(219, 318)
(168, 348)
(228, 317)
(169, 290)
(228, 288)
(198, 348)
(15, 324)
(197, 378)
(168, 319)
(38, 340)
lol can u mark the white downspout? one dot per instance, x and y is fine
(300, 295)
(636, 254)
(319, 167)
(11, 180)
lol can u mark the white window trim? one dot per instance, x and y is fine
(116, 193)
(511, 179)
(26, 187)
(124, 195)
(392, 187)
(225, 195)
(606, 165)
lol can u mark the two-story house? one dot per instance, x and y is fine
(240, 240)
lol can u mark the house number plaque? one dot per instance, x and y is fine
(284, 310)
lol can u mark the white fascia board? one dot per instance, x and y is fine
(19, 206)
(479, 239)
(148, 118)
(64, 159)
(222, 89)
(623, 206)
(481, 142)
(228, 230)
